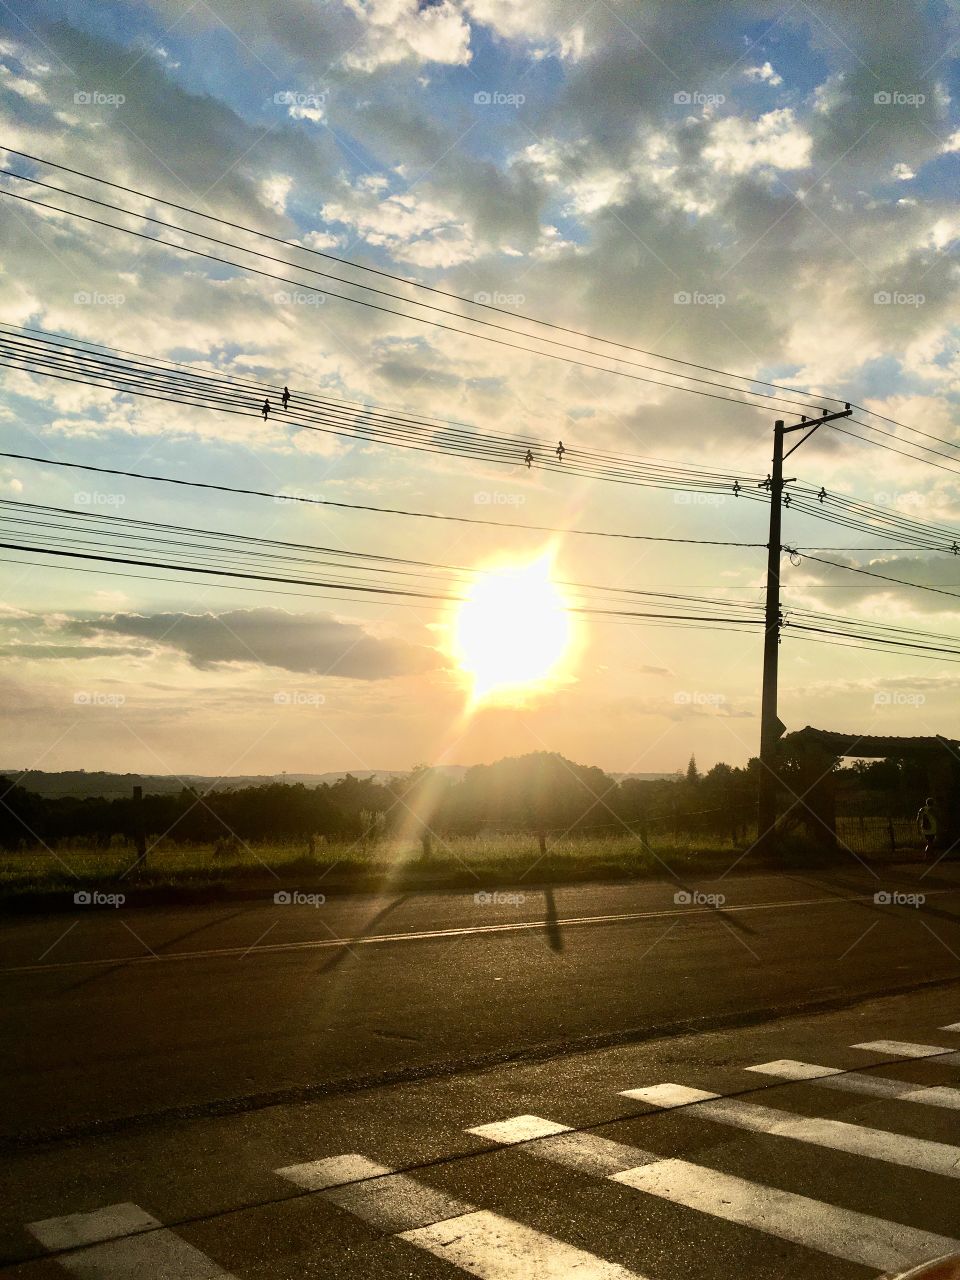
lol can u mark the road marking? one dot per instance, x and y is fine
(373, 939)
(905, 1049)
(482, 1243)
(838, 1135)
(122, 1242)
(389, 1201)
(519, 1129)
(77, 1229)
(318, 1175)
(858, 1082)
(843, 1233)
(497, 1248)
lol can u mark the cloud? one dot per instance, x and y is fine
(313, 644)
(395, 31)
(764, 73)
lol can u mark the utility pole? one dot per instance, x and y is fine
(772, 727)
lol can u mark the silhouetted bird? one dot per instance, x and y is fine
(265, 410)
(529, 459)
(560, 451)
(285, 397)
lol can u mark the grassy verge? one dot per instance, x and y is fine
(49, 880)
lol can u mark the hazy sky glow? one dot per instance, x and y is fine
(736, 184)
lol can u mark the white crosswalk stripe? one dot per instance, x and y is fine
(906, 1049)
(858, 1082)
(842, 1233)
(122, 1242)
(838, 1135)
(475, 1240)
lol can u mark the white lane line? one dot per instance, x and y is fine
(843, 1233)
(334, 1171)
(78, 1229)
(858, 1082)
(497, 1248)
(481, 1243)
(373, 939)
(389, 1201)
(518, 1129)
(838, 1135)
(906, 1049)
(123, 1242)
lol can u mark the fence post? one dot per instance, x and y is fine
(139, 832)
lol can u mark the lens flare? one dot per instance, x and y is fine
(513, 632)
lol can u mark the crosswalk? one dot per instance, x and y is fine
(410, 1209)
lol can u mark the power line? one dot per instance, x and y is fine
(484, 337)
(357, 506)
(870, 573)
(486, 306)
(371, 425)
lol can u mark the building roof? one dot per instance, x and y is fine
(873, 745)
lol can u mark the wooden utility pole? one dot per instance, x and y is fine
(771, 726)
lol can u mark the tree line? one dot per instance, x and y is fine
(542, 791)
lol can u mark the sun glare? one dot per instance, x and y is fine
(513, 631)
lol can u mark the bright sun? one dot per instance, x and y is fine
(512, 631)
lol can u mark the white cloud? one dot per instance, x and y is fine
(764, 73)
(902, 172)
(398, 30)
(776, 140)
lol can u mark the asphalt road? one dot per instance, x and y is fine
(173, 1061)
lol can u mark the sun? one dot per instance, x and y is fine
(513, 631)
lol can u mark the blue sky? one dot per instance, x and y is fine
(630, 154)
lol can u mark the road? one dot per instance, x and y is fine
(188, 1081)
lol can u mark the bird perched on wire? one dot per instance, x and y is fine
(265, 410)
(560, 451)
(529, 459)
(285, 398)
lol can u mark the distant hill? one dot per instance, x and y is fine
(79, 783)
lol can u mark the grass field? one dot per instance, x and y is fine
(478, 861)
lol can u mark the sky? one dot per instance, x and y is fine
(761, 188)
